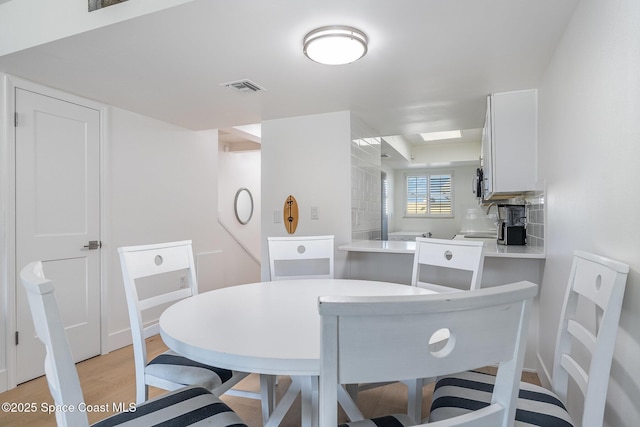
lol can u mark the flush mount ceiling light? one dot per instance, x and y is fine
(335, 45)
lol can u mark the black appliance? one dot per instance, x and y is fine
(512, 234)
(478, 183)
(511, 225)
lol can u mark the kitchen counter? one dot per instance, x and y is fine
(491, 248)
(380, 246)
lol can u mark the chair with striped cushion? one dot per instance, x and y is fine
(373, 339)
(441, 265)
(182, 407)
(590, 317)
(154, 276)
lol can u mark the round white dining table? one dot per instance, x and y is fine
(266, 328)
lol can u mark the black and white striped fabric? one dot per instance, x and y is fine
(396, 420)
(191, 406)
(469, 391)
(175, 368)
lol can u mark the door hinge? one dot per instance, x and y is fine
(17, 337)
(15, 119)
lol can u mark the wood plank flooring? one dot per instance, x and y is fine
(109, 381)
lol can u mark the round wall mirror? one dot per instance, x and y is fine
(243, 205)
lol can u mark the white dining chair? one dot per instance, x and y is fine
(434, 259)
(168, 273)
(182, 407)
(440, 265)
(374, 339)
(589, 317)
(297, 257)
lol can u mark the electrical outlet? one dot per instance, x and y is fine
(183, 282)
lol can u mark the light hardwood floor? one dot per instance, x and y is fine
(108, 381)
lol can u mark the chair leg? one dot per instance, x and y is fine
(267, 395)
(414, 399)
(352, 389)
(142, 393)
(348, 404)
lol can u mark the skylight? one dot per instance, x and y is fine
(437, 136)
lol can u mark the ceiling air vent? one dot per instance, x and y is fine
(244, 86)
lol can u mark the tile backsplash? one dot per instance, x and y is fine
(365, 189)
(534, 206)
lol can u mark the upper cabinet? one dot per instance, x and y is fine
(509, 144)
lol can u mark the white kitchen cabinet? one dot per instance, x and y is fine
(509, 144)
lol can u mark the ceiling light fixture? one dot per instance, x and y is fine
(437, 136)
(335, 45)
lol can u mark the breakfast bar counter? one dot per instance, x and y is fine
(491, 248)
(392, 261)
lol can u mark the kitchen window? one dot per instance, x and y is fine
(429, 195)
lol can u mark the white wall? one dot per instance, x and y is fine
(441, 153)
(308, 157)
(28, 23)
(589, 148)
(442, 228)
(163, 187)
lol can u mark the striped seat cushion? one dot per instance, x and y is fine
(184, 407)
(469, 391)
(396, 420)
(175, 368)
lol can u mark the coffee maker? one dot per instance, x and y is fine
(511, 225)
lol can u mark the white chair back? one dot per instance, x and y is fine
(445, 254)
(142, 261)
(299, 257)
(601, 281)
(375, 339)
(61, 372)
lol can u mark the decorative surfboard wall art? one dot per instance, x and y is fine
(290, 213)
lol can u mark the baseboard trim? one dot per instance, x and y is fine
(4, 380)
(545, 378)
(122, 338)
(119, 339)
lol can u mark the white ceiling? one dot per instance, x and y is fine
(430, 63)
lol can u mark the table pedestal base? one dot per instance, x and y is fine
(307, 387)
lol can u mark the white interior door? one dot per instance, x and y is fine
(57, 214)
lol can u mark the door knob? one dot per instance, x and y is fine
(93, 244)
